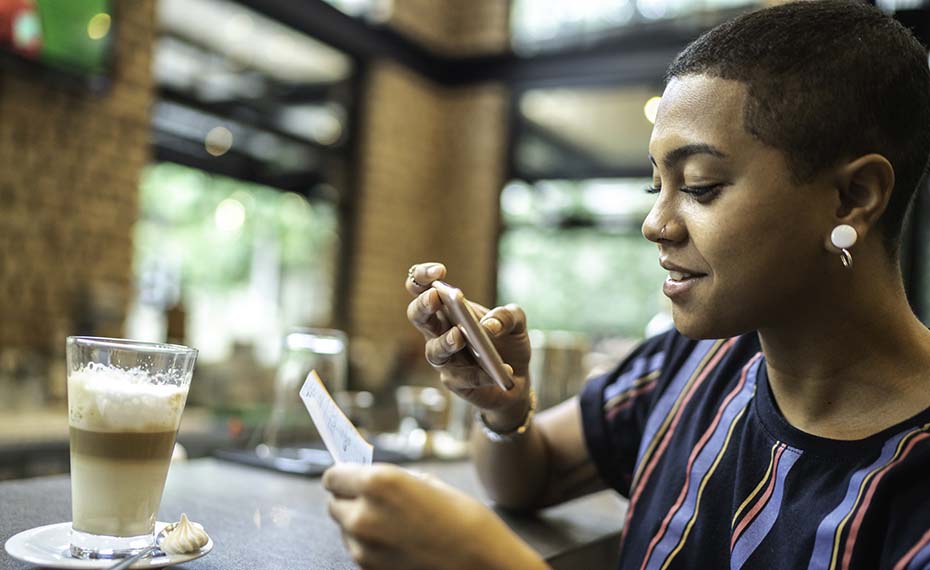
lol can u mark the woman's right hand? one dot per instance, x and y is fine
(458, 370)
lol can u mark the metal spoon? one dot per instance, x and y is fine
(145, 552)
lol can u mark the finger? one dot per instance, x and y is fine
(423, 313)
(369, 555)
(478, 309)
(504, 320)
(342, 511)
(464, 383)
(441, 349)
(345, 480)
(358, 518)
(461, 373)
(421, 475)
(420, 276)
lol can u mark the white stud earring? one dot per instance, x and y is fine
(844, 237)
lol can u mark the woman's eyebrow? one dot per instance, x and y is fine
(677, 155)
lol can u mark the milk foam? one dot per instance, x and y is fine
(102, 398)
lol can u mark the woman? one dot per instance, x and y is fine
(796, 434)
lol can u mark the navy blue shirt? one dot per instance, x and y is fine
(717, 478)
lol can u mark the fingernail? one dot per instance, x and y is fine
(493, 325)
(450, 338)
(434, 272)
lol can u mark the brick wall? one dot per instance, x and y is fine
(69, 171)
(433, 161)
(455, 27)
(432, 168)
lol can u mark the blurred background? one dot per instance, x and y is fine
(253, 178)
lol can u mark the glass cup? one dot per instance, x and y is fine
(305, 349)
(421, 407)
(125, 400)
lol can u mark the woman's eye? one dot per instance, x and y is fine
(652, 189)
(704, 192)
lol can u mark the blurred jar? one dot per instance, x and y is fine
(421, 407)
(358, 406)
(557, 365)
(425, 423)
(304, 349)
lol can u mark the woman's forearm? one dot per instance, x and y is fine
(514, 473)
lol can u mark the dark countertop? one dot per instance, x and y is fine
(262, 519)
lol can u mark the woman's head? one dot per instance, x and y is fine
(828, 81)
(773, 129)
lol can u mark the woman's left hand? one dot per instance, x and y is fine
(392, 518)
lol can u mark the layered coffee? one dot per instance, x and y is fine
(123, 425)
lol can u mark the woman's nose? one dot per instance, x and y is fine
(661, 224)
(654, 224)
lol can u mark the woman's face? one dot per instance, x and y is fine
(743, 243)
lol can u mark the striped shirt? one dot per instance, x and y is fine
(717, 478)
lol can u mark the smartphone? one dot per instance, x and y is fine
(459, 313)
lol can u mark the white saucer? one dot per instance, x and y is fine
(48, 546)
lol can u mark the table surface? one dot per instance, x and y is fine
(262, 519)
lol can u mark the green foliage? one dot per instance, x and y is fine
(573, 256)
(210, 226)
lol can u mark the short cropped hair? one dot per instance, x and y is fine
(828, 80)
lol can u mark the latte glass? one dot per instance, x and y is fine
(125, 400)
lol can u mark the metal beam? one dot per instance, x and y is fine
(573, 154)
(619, 57)
(245, 114)
(234, 164)
(352, 36)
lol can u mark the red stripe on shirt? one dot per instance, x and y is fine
(694, 453)
(910, 554)
(873, 484)
(769, 489)
(630, 397)
(641, 481)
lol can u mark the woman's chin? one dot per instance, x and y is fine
(699, 327)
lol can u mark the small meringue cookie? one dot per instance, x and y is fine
(185, 536)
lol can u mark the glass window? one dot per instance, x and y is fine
(238, 232)
(572, 252)
(537, 23)
(583, 132)
(244, 261)
(572, 255)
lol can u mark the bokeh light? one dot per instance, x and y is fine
(218, 141)
(229, 215)
(651, 108)
(98, 26)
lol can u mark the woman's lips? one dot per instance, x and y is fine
(678, 284)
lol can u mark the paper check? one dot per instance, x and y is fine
(340, 437)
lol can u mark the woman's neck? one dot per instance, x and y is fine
(849, 369)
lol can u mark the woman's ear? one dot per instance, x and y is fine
(864, 186)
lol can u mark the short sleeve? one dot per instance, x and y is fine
(616, 406)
